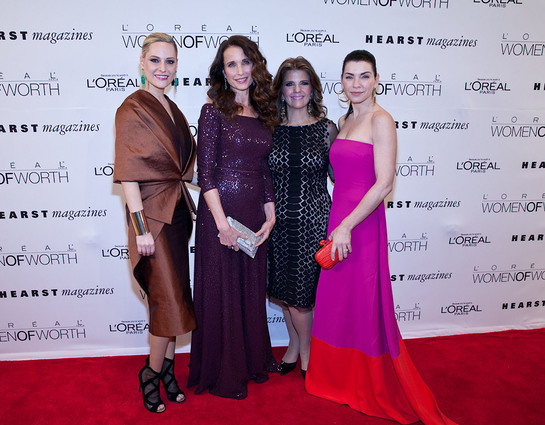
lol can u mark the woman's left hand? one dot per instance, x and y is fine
(341, 238)
(265, 230)
(270, 220)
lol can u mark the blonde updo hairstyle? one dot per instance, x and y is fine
(155, 38)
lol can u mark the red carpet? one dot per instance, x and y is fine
(483, 379)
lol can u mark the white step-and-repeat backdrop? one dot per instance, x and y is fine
(464, 80)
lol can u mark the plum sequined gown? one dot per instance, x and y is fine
(231, 344)
(299, 163)
(357, 356)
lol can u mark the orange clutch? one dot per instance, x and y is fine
(323, 256)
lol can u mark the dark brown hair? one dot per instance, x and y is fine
(359, 56)
(300, 64)
(261, 96)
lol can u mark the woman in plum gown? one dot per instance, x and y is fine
(357, 356)
(231, 344)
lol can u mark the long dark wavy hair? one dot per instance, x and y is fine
(261, 96)
(359, 56)
(299, 64)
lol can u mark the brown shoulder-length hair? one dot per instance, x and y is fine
(261, 96)
(300, 64)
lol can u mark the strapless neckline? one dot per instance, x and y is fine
(357, 141)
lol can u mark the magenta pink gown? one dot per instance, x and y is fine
(357, 355)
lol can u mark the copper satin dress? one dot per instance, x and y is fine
(231, 344)
(158, 153)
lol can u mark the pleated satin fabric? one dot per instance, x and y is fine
(159, 153)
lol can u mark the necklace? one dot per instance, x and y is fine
(302, 123)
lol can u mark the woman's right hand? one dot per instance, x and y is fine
(229, 236)
(145, 244)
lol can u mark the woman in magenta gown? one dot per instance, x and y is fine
(357, 355)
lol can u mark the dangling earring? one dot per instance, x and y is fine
(225, 83)
(143, 78)
(175, 82)
(375, 95)
(310, 108)
(283, 114)
(343, 100)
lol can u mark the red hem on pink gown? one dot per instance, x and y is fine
(385, 387)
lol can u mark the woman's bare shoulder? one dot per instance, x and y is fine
(382, 115)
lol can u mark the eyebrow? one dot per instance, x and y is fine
(158, 57)
(351, 73)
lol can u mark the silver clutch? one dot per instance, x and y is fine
(246, 245)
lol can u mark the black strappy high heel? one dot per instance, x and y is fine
(169, 381)
(149, 385)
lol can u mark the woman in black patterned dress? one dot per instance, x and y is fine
(299, 166)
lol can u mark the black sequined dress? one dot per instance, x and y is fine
(231, 344)
(299, 165)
